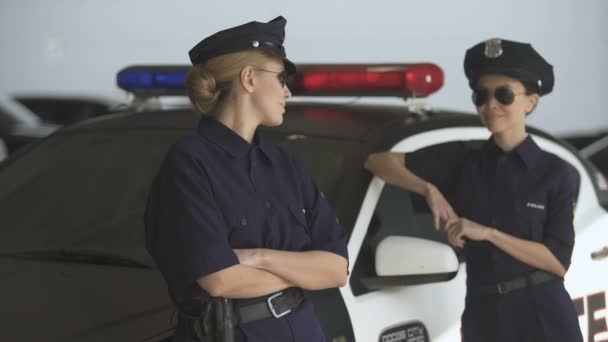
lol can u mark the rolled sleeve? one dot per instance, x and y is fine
(558, 233)
(327, 233)
(185, 232)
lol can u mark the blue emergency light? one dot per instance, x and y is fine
(153, 80)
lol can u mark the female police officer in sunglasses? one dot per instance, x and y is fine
(235, 216)
(509, 204)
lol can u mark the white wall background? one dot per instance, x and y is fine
(76, 46)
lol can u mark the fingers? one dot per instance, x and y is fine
(455, 232)
(451, 212)
(448, 214)
(451, 223)
(436, 219)
(456, 238)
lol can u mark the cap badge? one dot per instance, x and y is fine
(493, 48)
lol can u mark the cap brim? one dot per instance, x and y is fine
(290, 67)
(518, 74)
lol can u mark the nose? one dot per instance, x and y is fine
(286, 91)
(492, 102)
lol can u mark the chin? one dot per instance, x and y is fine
(494, 126)
(273, 121)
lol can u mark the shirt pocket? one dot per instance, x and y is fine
(244, 227)
(298, 222)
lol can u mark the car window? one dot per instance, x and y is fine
(600, 160)
(63, 111)
(6, 120)
(398, 213)
(326, 160)
(598, 171)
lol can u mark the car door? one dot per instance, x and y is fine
(435, 307)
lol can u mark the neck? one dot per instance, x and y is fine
(509, 140)
(236, 117)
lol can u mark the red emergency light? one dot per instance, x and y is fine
(403, 80)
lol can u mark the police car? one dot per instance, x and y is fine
(73, 262)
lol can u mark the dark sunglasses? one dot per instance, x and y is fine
(281, 75)
(504, 95)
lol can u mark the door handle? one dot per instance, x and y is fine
(600, 253)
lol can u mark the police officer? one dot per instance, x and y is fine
(512, 203)
(231, 215)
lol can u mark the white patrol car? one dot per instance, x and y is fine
(73, 262)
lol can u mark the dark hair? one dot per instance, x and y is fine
(531, 87)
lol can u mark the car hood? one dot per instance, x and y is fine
(57, 301)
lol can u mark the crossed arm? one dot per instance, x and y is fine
(264, 271)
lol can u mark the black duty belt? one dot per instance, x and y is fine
(275, 306)
(534, 278)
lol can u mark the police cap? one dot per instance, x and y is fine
(516, 60)
(253, 35)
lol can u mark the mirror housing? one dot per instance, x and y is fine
(405, 260)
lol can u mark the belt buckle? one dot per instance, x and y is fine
(272, 308)
(501, 289)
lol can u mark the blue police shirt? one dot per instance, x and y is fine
(216, 192)
(527, 193)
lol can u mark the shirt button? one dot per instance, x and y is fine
(303, 211)
(243, 221)
(267, 205)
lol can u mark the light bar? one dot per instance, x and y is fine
(156, 80)
(403, 80)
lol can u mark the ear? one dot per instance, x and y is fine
(532, 102)
(247, 79)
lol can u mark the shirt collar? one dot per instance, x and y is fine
(230, 141)
(527, 151)
(267, 148)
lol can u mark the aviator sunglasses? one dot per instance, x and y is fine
(281, 75)
(503, 94)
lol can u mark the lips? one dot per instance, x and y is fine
(492, 116)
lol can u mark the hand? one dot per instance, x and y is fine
(459, 228)
(249, 257)
(440, 207)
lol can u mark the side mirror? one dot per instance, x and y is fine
(404, 260)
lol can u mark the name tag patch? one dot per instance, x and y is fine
(535, 206)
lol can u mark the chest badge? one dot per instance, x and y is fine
(535, 206)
